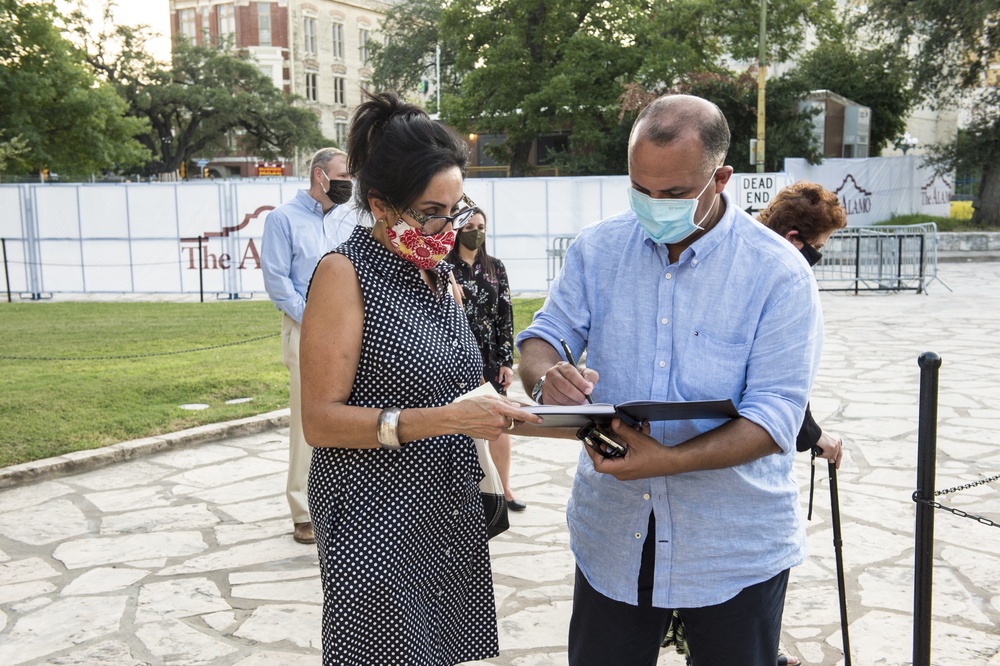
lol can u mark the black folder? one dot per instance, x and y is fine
(632, 413)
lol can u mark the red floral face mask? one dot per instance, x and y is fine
(424, 252)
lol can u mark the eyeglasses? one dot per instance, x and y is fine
(431, 225)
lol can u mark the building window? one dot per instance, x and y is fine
(340, 133)
(188, 29)
(309, 35)
(338, 40)
(206, 30)
(363, 45)
(366, 84)
(264, 23)
(549, 145)
(338, 90)
(312, 80)
(227, 23)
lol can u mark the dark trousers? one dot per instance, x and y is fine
(742, 631)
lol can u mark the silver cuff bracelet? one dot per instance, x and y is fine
(388, 421)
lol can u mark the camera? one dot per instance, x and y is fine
(602, 442)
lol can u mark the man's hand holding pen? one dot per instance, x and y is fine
(567, 384)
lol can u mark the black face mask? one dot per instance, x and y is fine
(811, 254)
(340, 191)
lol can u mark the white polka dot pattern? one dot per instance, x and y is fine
(401, 534)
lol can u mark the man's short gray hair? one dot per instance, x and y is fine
(322, 157)
(669, 117)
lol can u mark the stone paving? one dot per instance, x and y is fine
(184, 556)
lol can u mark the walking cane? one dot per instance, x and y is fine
(838, 551)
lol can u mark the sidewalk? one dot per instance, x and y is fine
(183, 554)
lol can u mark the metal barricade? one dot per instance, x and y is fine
(556, 255)
(883, 258)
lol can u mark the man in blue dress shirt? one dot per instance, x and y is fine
(296, 236)
(683, 297)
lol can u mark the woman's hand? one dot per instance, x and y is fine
(832, 448)
(506, 377)
(488, 417)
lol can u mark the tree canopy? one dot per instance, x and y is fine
(53, 113)
(209, 101)
(527, 68)
(955, 53)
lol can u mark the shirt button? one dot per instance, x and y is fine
(669, 275)
(645, 496)
(694, 262)
(664, 320)
(663, 364)
(638, 535)
(447, 552)
(454, 343)
(461, 385)
(455, 512)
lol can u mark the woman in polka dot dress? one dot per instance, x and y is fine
(385, 350)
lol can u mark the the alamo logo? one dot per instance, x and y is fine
(854, 198)
(936, 191)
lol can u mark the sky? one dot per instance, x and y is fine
(154, 13)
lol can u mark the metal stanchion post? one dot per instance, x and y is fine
(923, 569)
(201, 272)
(6, 274)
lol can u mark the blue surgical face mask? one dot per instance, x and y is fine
(668, 220)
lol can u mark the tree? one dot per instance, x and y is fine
(53, 113)
(208, 101)
(954, 45)
(531, 67)
(877, 77)
(400, 63)
(789, 129)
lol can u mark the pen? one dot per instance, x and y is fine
(572, 361)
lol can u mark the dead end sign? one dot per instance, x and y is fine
(756, 190)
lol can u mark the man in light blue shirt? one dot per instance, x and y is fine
(296, 236)
(684, 297)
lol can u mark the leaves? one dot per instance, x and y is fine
(875, 76)
(61, 117)
(955, 44)
(208, 101)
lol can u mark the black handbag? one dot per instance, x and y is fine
(491, 492)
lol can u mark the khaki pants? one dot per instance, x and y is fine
(299, 453)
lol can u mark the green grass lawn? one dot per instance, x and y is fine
(81, 375)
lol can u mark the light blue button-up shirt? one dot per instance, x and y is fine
(296, 236)
(738, 317)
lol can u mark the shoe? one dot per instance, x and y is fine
(785, 660)
(304, 533)
(516, 505)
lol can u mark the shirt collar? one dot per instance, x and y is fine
(310, 204)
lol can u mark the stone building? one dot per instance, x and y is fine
(315, 49)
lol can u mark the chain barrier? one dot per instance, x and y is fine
(133, 356)
(45, 264)
(967, 486)
(982, 520)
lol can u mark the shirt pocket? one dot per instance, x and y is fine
(712, 368)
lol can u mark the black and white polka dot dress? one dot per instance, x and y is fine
(401, 535)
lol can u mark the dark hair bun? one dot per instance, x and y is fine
(394, 149)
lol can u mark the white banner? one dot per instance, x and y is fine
(875, 189)
(143, 238)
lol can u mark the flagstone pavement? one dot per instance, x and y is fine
(177, 550)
